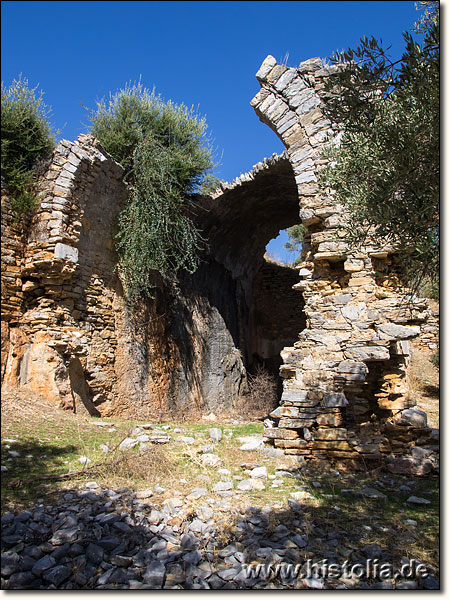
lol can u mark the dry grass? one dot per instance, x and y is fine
(423, 378)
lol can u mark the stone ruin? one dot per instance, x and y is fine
(339, 337)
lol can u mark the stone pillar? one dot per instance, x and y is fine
(344, 380)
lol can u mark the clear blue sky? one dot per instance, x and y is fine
(204, 54)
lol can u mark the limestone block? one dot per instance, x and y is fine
(285, 79)
(61, 191)
(305, 177)
(304, 272)
(293, 395)
(308, 100)
(332, 247)
(302, 154)
(409, 466)
(334, 400)
(296, 423)
(330, 445)
(353, 266)
(271, 99)
(298, 443)
(339, 299)
(367, 353)
(310, 65)
(330, 434)
(305, 165)
(412, 417)
(292, 90)
(320, 126)
(286, 123)
(330, 419)
(349, 366)
(278, 113)
(285, 411)
(353, 312)
(280, 434)
(361, 281)
(65, 252)
(273, 108)
(390, 331)
(275, 73)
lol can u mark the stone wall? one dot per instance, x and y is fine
(277, 314)
(67, 332)
(344, 389)
(63, 344)
(12, 246)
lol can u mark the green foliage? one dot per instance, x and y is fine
(386, 168)
(26, 139)
(209, 184)
(295, 234)
(164, 151)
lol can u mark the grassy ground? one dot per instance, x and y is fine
(51, 441)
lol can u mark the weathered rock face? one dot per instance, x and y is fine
(347, 369)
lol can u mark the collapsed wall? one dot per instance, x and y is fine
(67, 332)
(344, 380)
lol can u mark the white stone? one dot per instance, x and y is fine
(363, 353)
(66, 252)
(417, 500)
(128, 443)
(258, 485)
(210, 417)
(252, 444)
(223, 486)
(215, 434)
(267, 65)
(144, 494)
(210, 460)
(305, 177)
(391, 331)
(285, 79)
(259, 473)
(353, 312)
(302, 495)
(245, 486)
(412, 416)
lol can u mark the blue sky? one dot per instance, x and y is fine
(204, 54)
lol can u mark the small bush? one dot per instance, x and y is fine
(131, 467)
(262, 396)
(26, 139)
(164, 151)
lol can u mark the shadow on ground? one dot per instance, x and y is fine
(92, 539)
(29, 462)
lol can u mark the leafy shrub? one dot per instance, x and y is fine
(164, 151)
(26, 139)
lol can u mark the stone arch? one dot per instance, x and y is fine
(357, 328)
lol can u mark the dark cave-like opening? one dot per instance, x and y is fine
(253, 294)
